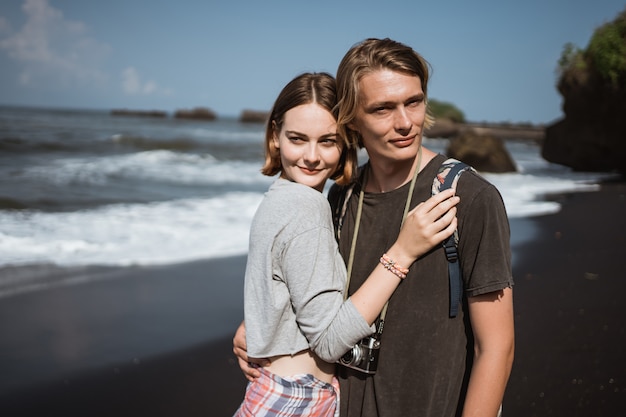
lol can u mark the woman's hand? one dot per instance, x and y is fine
(427, 225)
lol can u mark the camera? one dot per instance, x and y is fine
(363, 356)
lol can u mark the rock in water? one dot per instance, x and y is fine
(482, 151)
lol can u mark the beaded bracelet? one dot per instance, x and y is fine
(391, 266)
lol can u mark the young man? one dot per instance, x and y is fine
(429, 363)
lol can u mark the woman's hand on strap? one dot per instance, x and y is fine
(427, 225)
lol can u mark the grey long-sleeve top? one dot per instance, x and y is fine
(295, 279)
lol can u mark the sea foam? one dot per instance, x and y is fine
(131, 234)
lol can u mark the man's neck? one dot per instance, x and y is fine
(386, 175)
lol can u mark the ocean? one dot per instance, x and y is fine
(86, 188)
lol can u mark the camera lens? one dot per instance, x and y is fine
(352, 357)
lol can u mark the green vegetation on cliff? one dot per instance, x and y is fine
(605, 55)
(591, 136)
(444, 110)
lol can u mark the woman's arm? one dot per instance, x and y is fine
(331, 325)
(491, 316)
(426, 225)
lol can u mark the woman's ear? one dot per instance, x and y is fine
(275, 135)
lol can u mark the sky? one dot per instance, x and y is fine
(495, 60)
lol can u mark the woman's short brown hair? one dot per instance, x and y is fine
(364, 58)
(319, 88)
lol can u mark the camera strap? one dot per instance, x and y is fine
(357, 224)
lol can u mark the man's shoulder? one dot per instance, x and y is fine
(474, 183)
(470, 184)
(336, 192)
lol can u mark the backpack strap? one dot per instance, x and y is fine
(340, 209)
(448, 177)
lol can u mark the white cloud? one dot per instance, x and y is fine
(50, 48)
(133, 85)
(130, 81)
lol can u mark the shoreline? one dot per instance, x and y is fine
(168, 330)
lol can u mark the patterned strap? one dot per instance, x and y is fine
(448, 177)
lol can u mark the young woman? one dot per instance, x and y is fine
(295, 311)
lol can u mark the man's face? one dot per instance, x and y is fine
(391, 115)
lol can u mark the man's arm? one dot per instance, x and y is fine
(240, 351)
(491, 316)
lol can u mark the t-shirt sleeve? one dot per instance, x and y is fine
(315, 275)
(484, 244)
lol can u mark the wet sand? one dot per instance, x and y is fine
(569, 315)
(137, 341)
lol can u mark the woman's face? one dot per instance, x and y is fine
(309, 146)
(391, 114)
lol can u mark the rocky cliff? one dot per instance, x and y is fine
(592, 135)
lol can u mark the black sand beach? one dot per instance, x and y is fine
(570, 327)
(139, 341)
(84, 349)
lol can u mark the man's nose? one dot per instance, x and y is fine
(402, 122)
